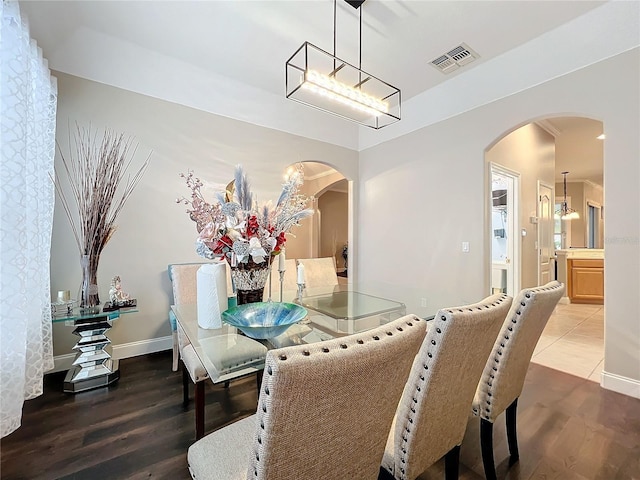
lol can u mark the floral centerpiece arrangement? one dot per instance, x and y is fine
(244, 233)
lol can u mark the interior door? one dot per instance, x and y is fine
(546, 250)
(505, 259)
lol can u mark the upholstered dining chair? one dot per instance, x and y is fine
(324, 410)
(184, 285)
(432, 414)
(319, 272)
(505, 370)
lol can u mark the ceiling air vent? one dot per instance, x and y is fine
(455, 58)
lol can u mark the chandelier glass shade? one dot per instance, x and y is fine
(566, 212)
(319, 79)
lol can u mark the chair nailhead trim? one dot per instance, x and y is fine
(325, 349)
(376, 337)
(282, 357)
(306, 353)
(399, 329)
(438, 330)
(343, 345)
(266, 390)
(360, 342)
(269, 371)
(389, 333)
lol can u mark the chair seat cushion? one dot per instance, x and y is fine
(232, 352)
(223, 452)
(194, 366)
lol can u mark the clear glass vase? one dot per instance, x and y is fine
(89, 299)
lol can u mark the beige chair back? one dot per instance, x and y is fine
(504, 373)
(325, 409)
(184, 281)
(319, 272)
(432, 414)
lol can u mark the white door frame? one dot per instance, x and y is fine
(513, 223)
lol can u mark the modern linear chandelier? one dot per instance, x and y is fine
(565, 212)
(316, 78)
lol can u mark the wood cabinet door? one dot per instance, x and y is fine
(587, 284)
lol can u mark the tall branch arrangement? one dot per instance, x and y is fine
(97, 169)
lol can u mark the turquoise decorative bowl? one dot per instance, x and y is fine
(262, 320)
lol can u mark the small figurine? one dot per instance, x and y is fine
(116, 295)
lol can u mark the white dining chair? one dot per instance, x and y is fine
(184, 285)
(319, 272)
(505, 370)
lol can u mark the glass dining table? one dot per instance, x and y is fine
(332, 312)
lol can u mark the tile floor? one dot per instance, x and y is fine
(573, 341)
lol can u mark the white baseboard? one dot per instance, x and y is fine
(620, 384)
(125, 350)
(62, 362)
(133, 349)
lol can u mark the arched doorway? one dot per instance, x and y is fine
(328, 231)
(539, 152)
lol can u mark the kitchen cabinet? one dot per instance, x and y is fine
(585, 278)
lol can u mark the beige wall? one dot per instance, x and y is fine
(153, 230)
(333, 208)
(418, 208)
(528, 151)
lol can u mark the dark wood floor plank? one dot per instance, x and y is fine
(568, 429)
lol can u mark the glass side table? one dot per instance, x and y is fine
(93, 366)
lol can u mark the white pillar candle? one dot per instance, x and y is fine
(281, 260)
(300, 274)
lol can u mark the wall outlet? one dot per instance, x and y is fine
(423, 302)
(465, 247)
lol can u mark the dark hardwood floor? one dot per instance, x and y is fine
(568, 428)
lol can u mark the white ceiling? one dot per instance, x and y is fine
(146, 46)
(250, 41)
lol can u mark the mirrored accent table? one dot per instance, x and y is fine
(93, 365)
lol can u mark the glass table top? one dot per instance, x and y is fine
(349, 305)
(77, 314)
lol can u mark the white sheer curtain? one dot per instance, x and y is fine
(28, 98)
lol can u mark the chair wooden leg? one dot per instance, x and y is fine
(385, 475)
(512, 435)
(452, 464)
(259, 380)
(185, 386)
(486, 445)
(226, 384)
(199, 410)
